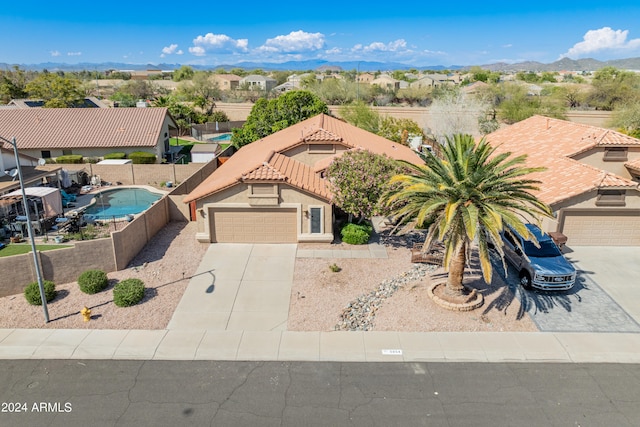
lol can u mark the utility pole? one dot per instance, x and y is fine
(43, 297)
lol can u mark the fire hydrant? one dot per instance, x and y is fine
(86, 314)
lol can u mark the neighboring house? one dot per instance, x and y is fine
(591, 178)
(433, 80)
(365, 78)
(255, 81)
(385, 81)
(274, 190)
(296, 79)
(91, 132)
(285, 87)
(31, 175)
(88, 102)
(227, 81)
(474, 88)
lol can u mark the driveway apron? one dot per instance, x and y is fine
(587, 307)
(238, 287)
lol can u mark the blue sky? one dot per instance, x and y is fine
(417, 34)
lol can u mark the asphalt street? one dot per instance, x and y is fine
(207, 393)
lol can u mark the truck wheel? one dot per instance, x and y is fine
(525, 280)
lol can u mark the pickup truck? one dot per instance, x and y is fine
(542, 267)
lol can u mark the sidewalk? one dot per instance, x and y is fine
(320, 346)
(235, 308)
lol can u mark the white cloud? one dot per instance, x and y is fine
(294, 42)
(334, 51)
(394, 46)
(55, 53)
(217, 43)
(172, 49)
(603, 39)
(74, 53)
(508, 45)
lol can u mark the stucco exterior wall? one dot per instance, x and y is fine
(588, 201)
(238, 196)
(595, 158)
(304, 155)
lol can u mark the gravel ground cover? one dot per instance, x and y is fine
(366, 294)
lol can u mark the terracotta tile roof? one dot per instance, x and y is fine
(253, 156)
(551, 143)
(67, 128)
(633, 165)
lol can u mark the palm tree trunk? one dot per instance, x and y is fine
(456, 272)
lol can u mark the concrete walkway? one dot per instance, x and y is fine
(235, 308)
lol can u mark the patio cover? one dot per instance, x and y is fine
(51, 199)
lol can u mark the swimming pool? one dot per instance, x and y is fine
(120, 202)
(225, 137)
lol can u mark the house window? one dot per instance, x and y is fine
(45, 154)
(610, 198)
(315, 219)
(615, 154)
(321, 148)
(67, 152)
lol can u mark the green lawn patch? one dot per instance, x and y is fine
(180, 142)
(25, 248)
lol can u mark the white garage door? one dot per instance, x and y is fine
(614, 228)
(270, 225)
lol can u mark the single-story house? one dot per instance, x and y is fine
(274, 189)
(92, 132)
(88, 102)
(590, 182)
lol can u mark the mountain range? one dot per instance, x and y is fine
(564, 64)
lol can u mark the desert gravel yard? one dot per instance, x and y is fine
(318, 298)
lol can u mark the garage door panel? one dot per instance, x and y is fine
(613, 228)
(271, 225)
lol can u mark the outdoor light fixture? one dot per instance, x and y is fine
(29, 228)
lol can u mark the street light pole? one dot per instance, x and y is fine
(43, 297)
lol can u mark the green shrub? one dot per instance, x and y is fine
(93, 281)
(70, 158)
(32, 292)
(142, 157)
(92, 160)
(335, 268)
(356, 234)
(128, 292)
(117, 156)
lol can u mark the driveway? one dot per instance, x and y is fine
(602, 299)
(239, 287)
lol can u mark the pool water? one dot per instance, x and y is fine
(120, 202)
(225, 137)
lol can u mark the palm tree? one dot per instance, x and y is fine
(470, 193)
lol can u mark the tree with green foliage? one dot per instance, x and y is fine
(361, 115)
(267, 117)
(470, 194)
(399, 130)
(627, 118)
(358, 178)
(611, 87)
(185, 72)
(202, 90)
(133, 90)
(55, 91)
(13, 84)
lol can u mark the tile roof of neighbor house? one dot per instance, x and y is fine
(262, 159)
(633, 165)
(66, 128)
(551, 143)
